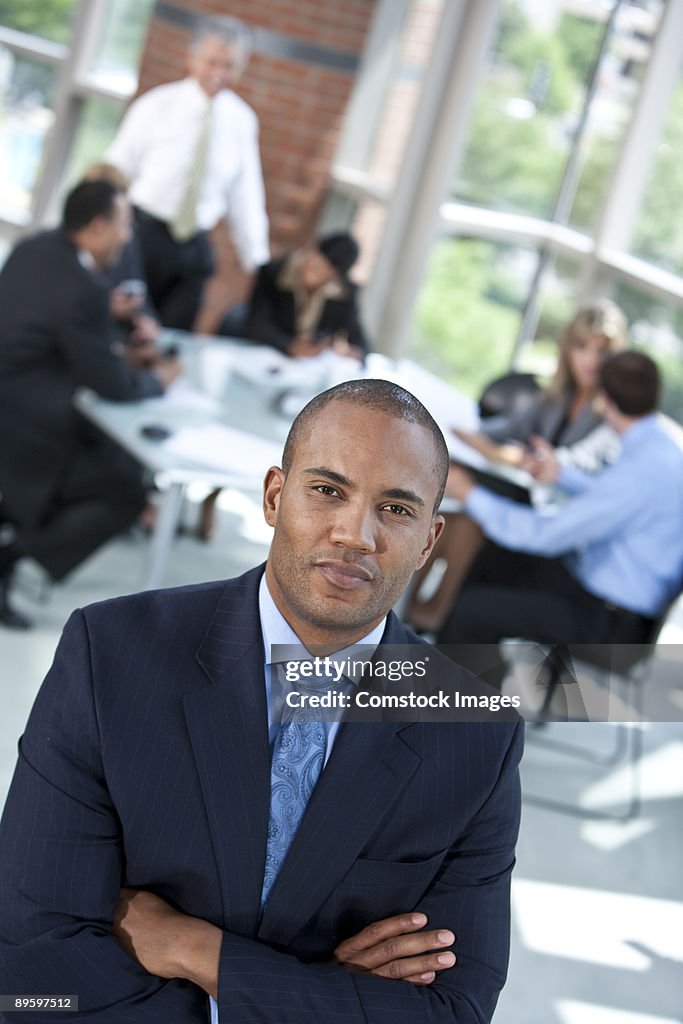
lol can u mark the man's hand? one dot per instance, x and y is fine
(396, 947)
(165, 942)
(123, 305)
(542, 463)
(168, 370)
(141, 355)
(459, 483)
(145, 329)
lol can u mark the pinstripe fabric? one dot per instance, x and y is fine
(145, 762)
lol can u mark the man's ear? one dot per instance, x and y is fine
(272, 489)
(437, 525)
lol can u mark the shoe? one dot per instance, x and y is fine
(9, 617)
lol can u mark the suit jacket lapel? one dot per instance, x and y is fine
(369, 761)
(228, 729)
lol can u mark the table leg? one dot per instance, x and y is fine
(164, 535)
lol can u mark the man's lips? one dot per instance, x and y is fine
(346, 575)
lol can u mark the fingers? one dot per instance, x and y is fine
(405, 954)
(421, 979)
(409, 967)
(397, 948)
(378, 931)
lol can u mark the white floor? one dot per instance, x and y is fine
(597, 907)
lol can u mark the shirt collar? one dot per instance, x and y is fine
(639, 429)
(195, 91)
(276, 630)
(86, 259)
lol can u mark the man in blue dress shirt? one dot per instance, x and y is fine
(599, 568)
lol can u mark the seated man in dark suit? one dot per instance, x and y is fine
(291, 870)
(134, 316)
(598, 569)
(305, 302)
(64, 488)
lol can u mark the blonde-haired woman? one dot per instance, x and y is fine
(564, 415)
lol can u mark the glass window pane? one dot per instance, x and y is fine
(526, 109)
(26, 98)
(117, 56)
(557, 305)
(97, 126)
(531, 100)
(49, 19)
(417, 42)
(612, 107)
(657, 328)
(468, 310)
(659, 229)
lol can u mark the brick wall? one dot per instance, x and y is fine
(300, 104)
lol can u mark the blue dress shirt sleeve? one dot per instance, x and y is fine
(575, 481)
(597, 513)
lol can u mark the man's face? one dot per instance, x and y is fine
(110, 235)
(216, 65)
(353, 521)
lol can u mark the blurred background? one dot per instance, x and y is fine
(500, 161)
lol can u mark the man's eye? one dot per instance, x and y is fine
(326, 490)
(398, 510)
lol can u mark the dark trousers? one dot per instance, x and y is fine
(510, 594)
(175, 272)
(99, 496)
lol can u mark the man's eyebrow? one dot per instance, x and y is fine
(402, 495)
(330, 474)
(396, 493)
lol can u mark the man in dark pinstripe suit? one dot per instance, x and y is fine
(146, 765)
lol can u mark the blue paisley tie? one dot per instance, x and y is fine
(298, 757)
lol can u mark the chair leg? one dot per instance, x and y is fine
(629, 745)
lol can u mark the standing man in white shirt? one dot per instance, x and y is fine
(190, 150)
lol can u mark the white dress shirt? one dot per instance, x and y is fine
(155, 145)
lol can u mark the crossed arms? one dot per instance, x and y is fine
(63, 862)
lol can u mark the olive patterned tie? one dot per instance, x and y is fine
(184, 224)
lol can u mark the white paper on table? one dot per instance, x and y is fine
(264, 365)
(225, 448)
(181, 394)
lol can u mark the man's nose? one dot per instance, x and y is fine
(355, 527)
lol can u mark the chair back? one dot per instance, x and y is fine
(508, 395)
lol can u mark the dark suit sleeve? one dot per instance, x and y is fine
(471, 896)
(61, 867)
(263, 323)
(88, 344)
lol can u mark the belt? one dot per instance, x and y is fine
(148, 218)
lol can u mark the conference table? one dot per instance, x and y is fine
(224, 421)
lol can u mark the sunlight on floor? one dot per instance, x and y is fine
(661, 778)
(597, 927)
(572, 1012)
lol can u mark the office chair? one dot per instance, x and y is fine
(508, 395)
(629, 665)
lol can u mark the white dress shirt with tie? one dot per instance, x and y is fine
(156, 142)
